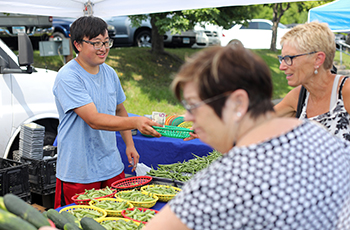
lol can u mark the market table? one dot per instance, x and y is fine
(162, 150)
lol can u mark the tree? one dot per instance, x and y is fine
(278, 11)
(179, 21)
(295, 12)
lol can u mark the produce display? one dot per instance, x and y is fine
(139, 214)
(120, 223)
(134, 195)
(137, 198)
(163, 192)
(109, 204)
(80, 211)
(95, 193)
(183, 171)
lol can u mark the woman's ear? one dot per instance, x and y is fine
(320, 58)
(238, 102)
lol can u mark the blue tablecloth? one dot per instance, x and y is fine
(162, 150)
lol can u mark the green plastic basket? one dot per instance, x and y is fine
(173, 131)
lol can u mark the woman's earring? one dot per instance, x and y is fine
(239, 114)
(316, 71)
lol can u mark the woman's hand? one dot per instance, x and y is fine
(192, 136)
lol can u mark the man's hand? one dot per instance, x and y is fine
(133, 157)
(144, 125)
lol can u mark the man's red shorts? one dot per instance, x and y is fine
(65, 190)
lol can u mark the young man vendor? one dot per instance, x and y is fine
(89, 100)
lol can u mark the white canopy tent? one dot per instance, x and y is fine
(107, 8)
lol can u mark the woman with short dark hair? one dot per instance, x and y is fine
(275, 173)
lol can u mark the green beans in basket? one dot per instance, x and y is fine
(80, 211)
(110, 223)
(142, 215)
(164, 192)
(95, 193)
(134, 196)
(137, 198)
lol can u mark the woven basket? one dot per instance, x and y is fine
(116, 219)
(141, 209)
(138, 204)
(173, 131)
(131, 183)
(111, 213)
(161, 197)
(88, 207)
(86, 201)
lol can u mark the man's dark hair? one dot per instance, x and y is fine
(87, 26)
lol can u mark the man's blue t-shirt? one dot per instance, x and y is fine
(86, 155)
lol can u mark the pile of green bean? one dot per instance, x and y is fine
(95, 193)
(121, 225)
(111, 205)
(159, 189)
(134, 196)
(84, 212)
(183, 171)
(139, 215)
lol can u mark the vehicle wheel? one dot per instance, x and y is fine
(58, 36)
(143, 39)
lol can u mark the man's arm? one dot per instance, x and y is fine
(108, 122)
(131, 152)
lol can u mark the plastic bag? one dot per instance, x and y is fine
(142, 169)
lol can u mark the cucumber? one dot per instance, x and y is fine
(70, 226)
(58, 219)
(71, 218)
(2, 204)
(9, 221)
(90, 224)
(44, 213)
(24, 210)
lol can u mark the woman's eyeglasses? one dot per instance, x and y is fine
(191, 107)
(289, 59)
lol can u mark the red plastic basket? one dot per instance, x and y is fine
(131, 182)
(141, 209)
(86, 201)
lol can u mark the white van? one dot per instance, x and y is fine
(25, 96)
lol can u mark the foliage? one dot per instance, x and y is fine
(297, 13)
(179, 21)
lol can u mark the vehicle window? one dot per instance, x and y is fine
(280, 25)
(264, 26)
(252, 25)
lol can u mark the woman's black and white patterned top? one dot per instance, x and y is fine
(337, 120)
(299, 180)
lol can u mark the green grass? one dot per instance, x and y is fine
(146, 78)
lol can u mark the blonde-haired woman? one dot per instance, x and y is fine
(307, 57)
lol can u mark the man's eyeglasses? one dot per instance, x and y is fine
(289, 59)
(190, 108)
(98, 45)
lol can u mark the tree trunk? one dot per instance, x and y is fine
(278, 12)
(157, 39)
(347, 41)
